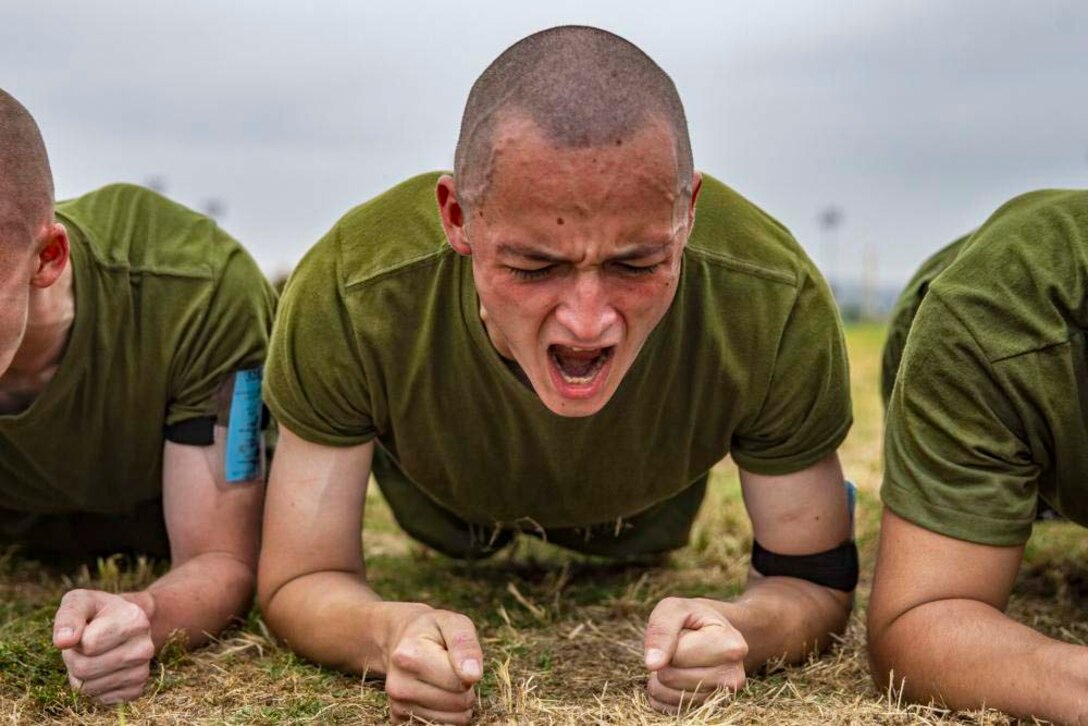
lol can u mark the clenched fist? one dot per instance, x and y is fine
(691, 650)
(105, 641)
(435, 660)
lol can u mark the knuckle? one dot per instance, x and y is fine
(672, 602)
(668, 677)
(655, 629)
(71, 595)
(90, 641)
(404, 657)
(662, 707)
(462, 639)
(128, 694)
(731, 679)
(136, 615)
(398, 689)
(462, 620)
(145, 651)
(80, 670)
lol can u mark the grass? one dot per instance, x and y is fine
(561, 632)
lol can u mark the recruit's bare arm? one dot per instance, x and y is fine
(108, 640)
(313, 591)
(696, 645)
(937, 625)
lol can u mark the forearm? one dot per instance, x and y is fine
(199, 597)
(336, 619)
(782, 617)
(967, 654)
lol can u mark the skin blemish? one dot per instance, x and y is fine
(619, 142)
(559, 221)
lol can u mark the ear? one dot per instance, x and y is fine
(53, 254)
(696, 185)
(453, 215)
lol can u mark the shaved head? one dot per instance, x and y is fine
(582, 87)
(26, 182)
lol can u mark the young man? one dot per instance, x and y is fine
(987, 421)
(132, 335)
(557, 345)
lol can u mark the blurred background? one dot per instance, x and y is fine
(877, 131)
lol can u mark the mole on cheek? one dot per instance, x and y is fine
(559, 221)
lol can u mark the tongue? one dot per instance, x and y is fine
(577, 364)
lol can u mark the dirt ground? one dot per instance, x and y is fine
(561, 632)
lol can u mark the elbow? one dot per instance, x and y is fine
(265, 594)
(881, 647)
(242, 575)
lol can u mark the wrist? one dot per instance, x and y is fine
(392, 618)
(144, 599)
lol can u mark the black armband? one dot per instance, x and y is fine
(192, 431)
(836, 568)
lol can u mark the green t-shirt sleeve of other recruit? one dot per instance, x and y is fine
(806, 412)
(233, 336)
(954, 462)
(315, 382)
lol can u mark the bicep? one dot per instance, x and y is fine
(204, 514)
(916, 566)
(800, 513)
(314, 511)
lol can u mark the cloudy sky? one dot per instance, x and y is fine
(915, 119)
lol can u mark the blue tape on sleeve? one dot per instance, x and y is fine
(243, 448)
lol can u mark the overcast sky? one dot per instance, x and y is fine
(916, 119)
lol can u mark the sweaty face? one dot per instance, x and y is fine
(16, 264)
(14, 296)
(576, 257)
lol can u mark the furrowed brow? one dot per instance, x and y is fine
(639, 252)
(528, 253)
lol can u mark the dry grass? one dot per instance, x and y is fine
(561, 633)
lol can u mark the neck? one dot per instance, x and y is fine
(50, 316)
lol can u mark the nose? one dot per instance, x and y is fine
(586, 311)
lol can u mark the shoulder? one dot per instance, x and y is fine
(131, 228)
(1019, 282)
(733, 233)
(397, 230)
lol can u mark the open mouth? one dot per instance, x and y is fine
(579, 366)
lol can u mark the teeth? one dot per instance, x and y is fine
(582, 380)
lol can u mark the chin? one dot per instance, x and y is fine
(573, 409)
(574, 406)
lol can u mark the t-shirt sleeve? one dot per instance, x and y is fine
(956, 461)
(315, 381)
(232, 335)
(806, 412)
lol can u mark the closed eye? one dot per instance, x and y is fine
(636, 270)
(538, 273)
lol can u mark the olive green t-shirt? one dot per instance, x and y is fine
(990, 407)
(379, 336)
(168, 306)
(906, 307)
